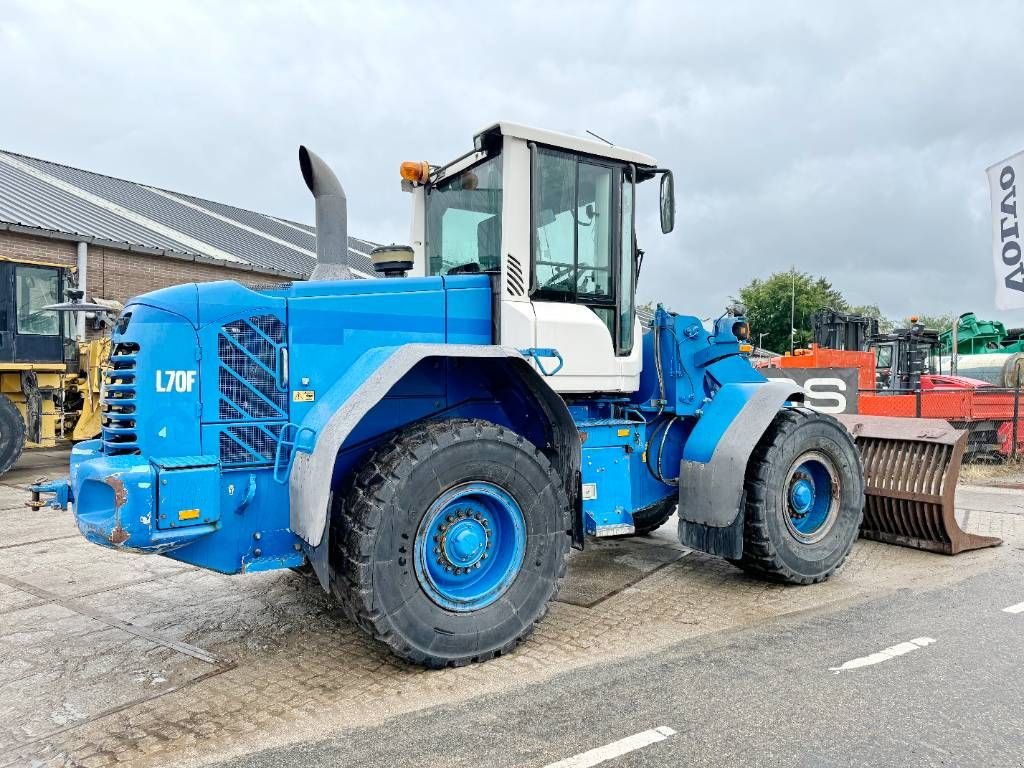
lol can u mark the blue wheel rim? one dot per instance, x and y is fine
(812, 497)
(470, 546)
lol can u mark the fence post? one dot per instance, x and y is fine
(1016, 421)
(917, 402)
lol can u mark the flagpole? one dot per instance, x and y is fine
(792, 312)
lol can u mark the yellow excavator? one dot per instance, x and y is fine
(49, 382)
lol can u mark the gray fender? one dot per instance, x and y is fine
(310, 479)
(710, 492)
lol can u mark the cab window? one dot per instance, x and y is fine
(573, 228)
(582, 211)
(883, 356)
(464, 221)
(35, 288)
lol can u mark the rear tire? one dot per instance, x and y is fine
(12, 434)
(451, 543)
(804, 499)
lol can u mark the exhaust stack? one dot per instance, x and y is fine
(331, 218)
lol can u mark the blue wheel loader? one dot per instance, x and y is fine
(431, 443)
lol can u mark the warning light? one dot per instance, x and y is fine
(415, 171)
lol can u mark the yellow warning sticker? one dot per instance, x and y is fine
(188, 514)
(623, 433)
(303, 395)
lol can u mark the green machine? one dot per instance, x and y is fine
(979, 337)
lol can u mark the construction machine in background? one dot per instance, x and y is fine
(433, 443)
(980, 337)
(903, 374)
(985, 350)
(49, 383)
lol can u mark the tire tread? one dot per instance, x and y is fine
(354, 526)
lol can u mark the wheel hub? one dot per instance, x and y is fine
(812, 497)
(470, 546)
(801, 495)
(463, 541)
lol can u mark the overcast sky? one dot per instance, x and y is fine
(847, 139)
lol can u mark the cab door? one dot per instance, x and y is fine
(28, 333)
(583, 270)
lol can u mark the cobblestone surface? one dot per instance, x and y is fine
(80, 691)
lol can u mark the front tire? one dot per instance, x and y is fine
(12, 434)
(451, 543)
(804, 493)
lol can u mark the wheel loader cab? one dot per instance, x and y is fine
(28, 333)
(552, 217)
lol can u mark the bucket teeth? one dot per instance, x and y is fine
(911, 467)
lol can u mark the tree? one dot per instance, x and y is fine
(938, 323)
(768, 304)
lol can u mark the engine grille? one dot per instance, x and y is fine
(118, 402)
(249, 353)
(248, 446)
(249, 370)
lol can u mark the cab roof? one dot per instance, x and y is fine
(565, 141)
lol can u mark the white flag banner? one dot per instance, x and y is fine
(1007, 255)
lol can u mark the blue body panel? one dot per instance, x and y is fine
(216, 386)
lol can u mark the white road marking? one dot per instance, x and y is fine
(884, 655)
(1018, 608)
(615, 749)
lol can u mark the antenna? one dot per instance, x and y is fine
(601, 138)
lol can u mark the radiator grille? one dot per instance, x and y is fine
(118, 402)
(248, 383)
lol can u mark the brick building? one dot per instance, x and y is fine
(134, 238)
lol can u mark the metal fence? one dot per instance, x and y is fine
(992, 416)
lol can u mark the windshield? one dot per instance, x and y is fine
(464, 220)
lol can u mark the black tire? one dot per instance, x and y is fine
(772, 549)
(374, 541)
(651, 518)
(12, 434)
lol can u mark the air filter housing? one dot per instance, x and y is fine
(392, 260)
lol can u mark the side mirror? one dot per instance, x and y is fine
(668, 202)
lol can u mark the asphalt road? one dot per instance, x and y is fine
(762, 696)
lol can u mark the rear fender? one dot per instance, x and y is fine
(714, 461)
(326, 427)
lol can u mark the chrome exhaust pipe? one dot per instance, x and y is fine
(331, 218)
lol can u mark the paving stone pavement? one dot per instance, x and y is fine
(109, 659)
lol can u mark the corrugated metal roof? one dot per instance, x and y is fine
(38, 194)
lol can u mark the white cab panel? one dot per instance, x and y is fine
(583, 340)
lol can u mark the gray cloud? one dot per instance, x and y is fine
(846, 139)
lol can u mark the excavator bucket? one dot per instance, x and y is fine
(911, 467)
